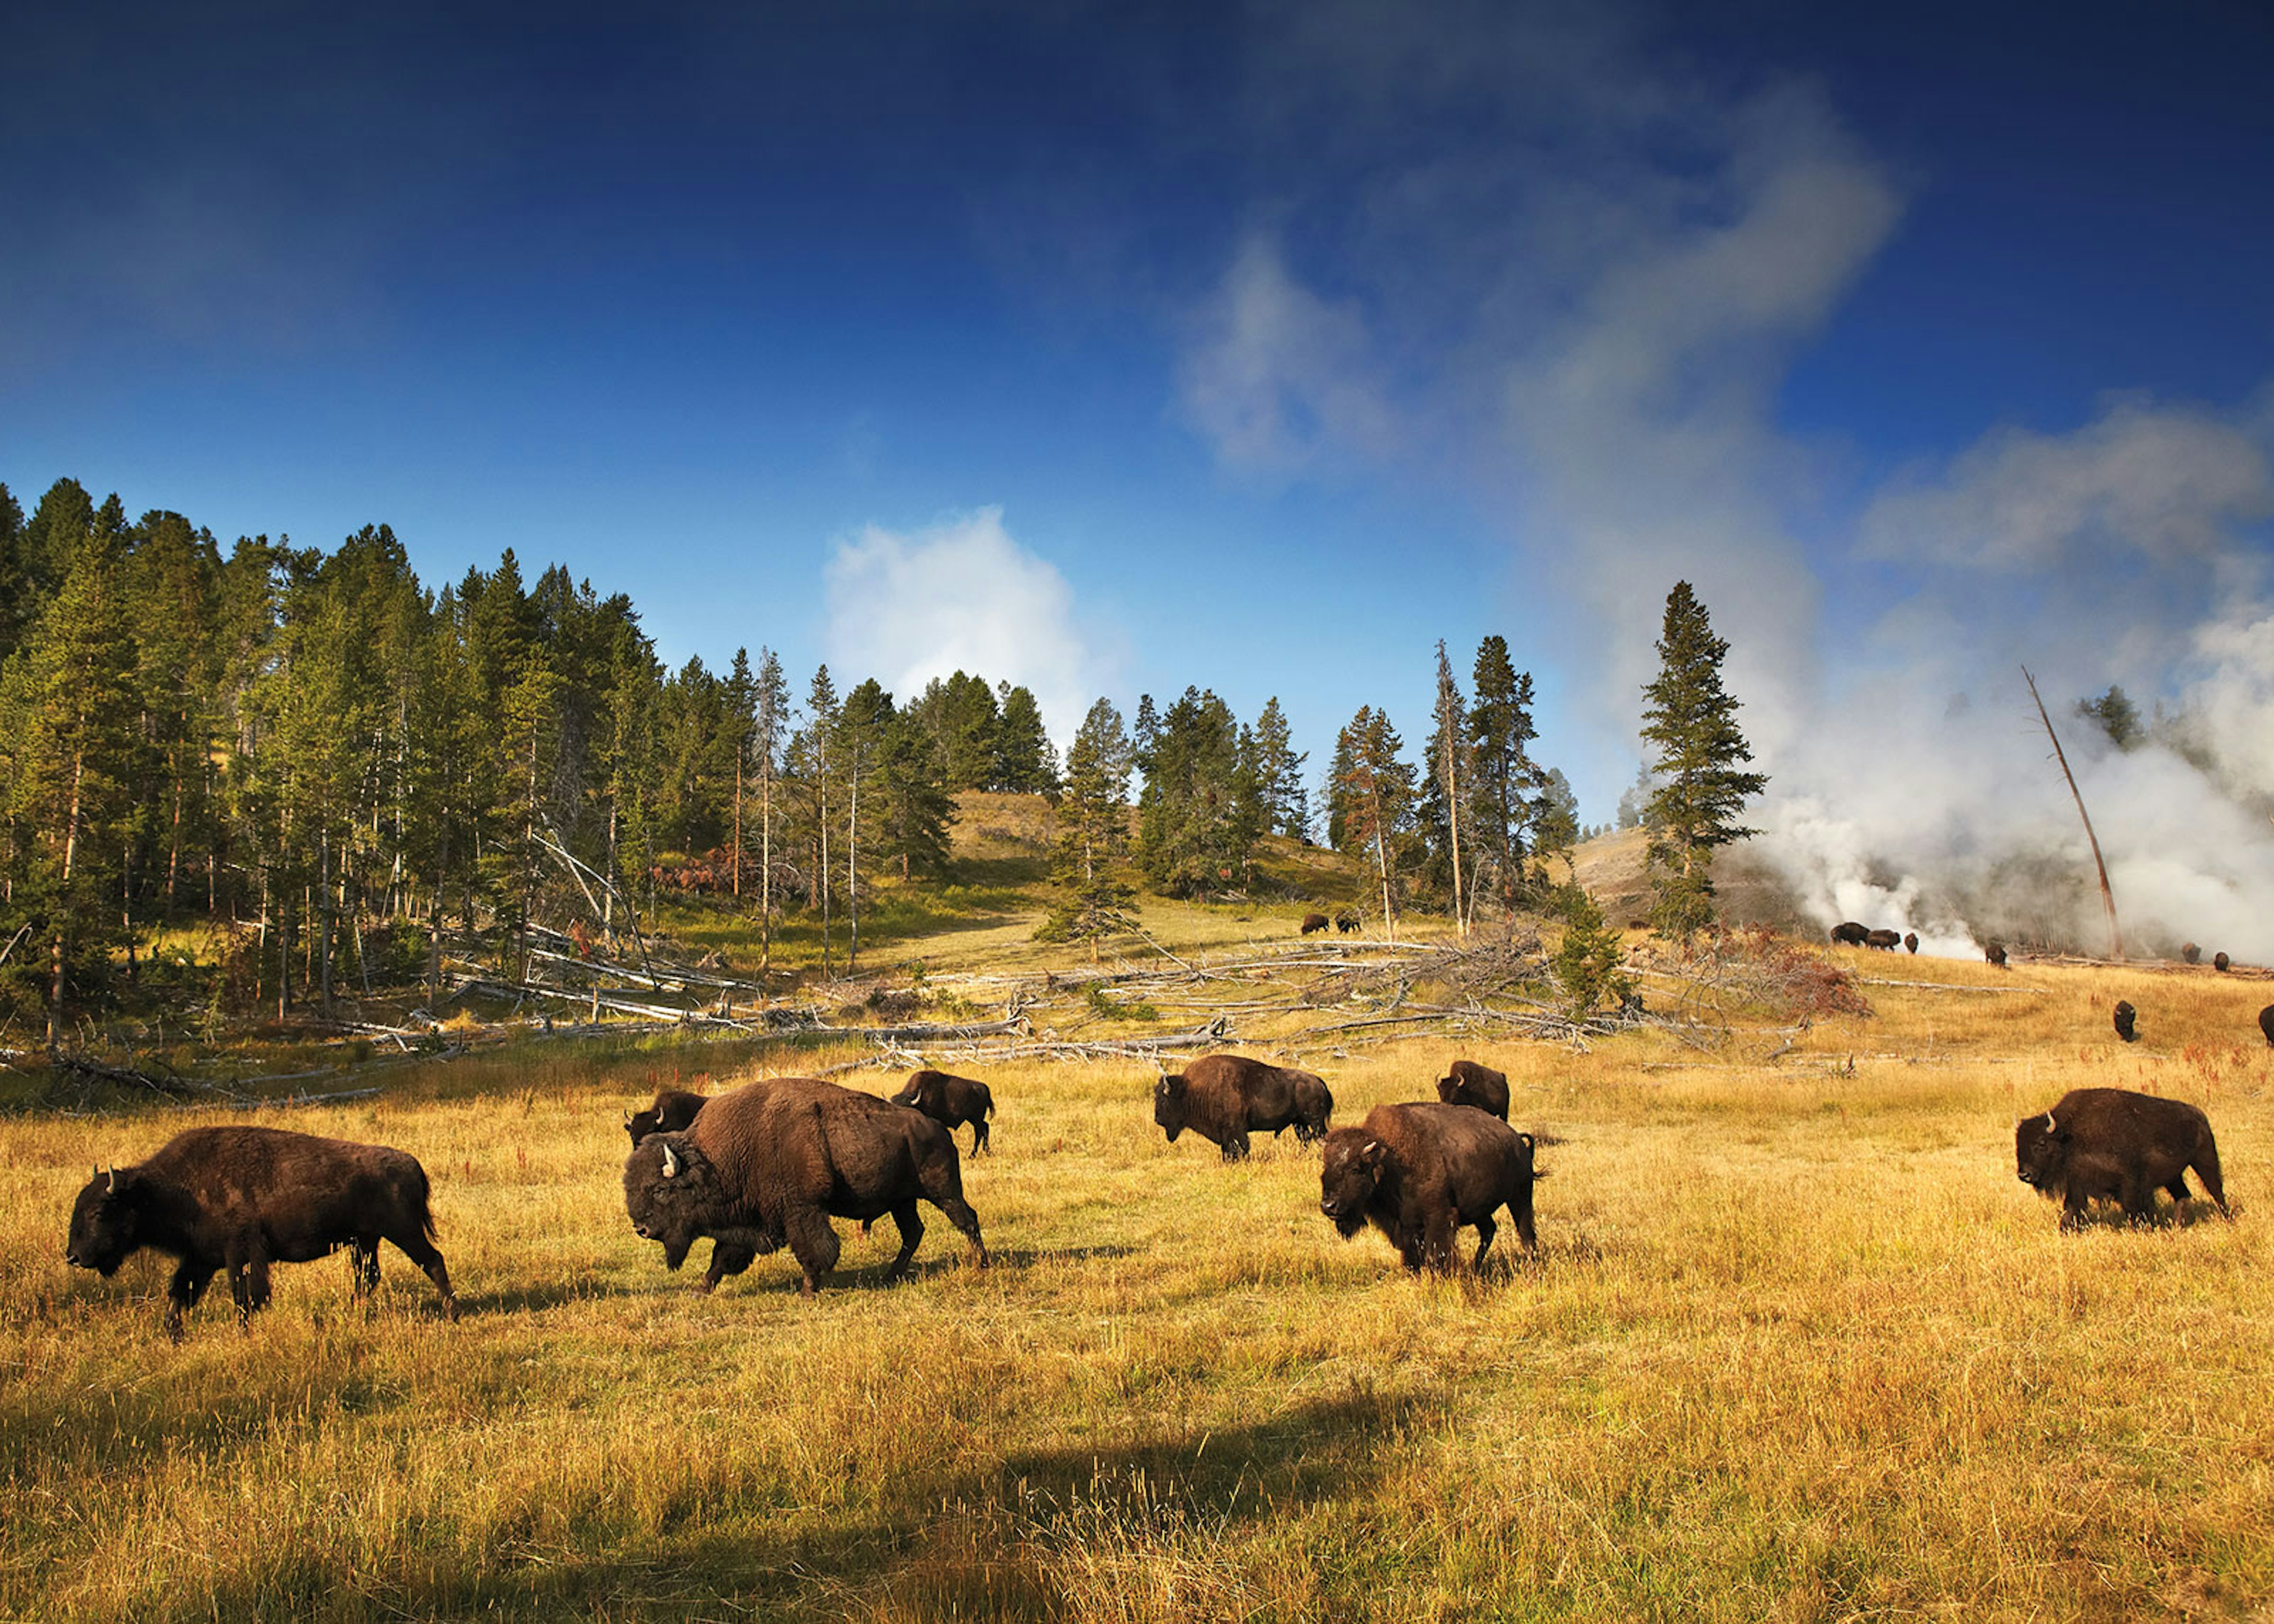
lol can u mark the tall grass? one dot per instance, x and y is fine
(1797, 1346)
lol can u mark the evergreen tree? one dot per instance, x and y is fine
(1504, 781)
(1373, 796)
(771, 721)
(1692, 721)
(1589, 963)
(1279, 770)
(1093, 826)
(2115, 715)
(1025, 762)
(1196, 816)
(1448, 782)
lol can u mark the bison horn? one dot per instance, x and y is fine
(2049, 1124)
(670, 1162)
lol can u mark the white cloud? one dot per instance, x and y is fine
(962, 595)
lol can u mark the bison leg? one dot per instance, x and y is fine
(910, 1223)
(1486, 1229)
(978, 1135)
(1235, 1148)
(812, 1243)
(966, 1221)
(2138, 1198)
(363, 1265)
(727, 1258)
(415, 1246)
(182, 1291)
(2206, 1167)
(1437, 1239)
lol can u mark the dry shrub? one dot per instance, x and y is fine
(1758, 971)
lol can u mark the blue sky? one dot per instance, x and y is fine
(1252, 347)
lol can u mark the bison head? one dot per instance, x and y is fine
(1169, 1105)
(673, 1194)
(2040, 1153)
(639, 1125)
(921, 1092)
(104, 1222)
(1348, 1176)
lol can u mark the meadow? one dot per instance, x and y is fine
(1797, 1346)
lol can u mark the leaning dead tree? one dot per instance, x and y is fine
(2107, 896)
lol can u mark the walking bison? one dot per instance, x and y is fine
(1346, 921)
(2125, 1017)
(1467, 1083)
(1224, 1098)
(1994, 953)
(240, 1199)
(2266, 1024)
(1313, 921)
(2110, 1144)
(770, 1164)
(949, 1101)
(1847, 933)
(2190, 951)
(1886, 941)
(673, 1111)
(1910, 943)
(1419, 1173)
(2220, 962)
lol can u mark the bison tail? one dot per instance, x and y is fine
(426, 1209)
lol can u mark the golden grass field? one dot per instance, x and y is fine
(1797, 1346)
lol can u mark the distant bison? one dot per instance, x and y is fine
(2190, 951)
(1886, 941)
(1346, 921)
(1224, 1098)
(241, 1198)
(1313, 921)
(1467, 1083)
(770, 1164)
(673, 1112)
(1910, 941)
(1995, 953)
(2266, 1024)
(2220, 962)
(2125, 1016)
(1847, 933)
(1419, 1173)
(949, 1101)
(2113, 1144)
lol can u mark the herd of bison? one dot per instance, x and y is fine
(769, 1165)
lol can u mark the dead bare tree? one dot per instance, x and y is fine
(2107, 896)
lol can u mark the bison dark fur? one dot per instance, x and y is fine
(1910, 943)
(1467, 1083)
(1995, 953)
(770, 1164)
(1419, 1173)
(1313, 921)
(1224, 1098)
(2266, 1024)
(949, 1101)
(1847, 933)
(240, 1199)
(2220, 962)
(2125, 1017)
(1886, 941)
(2114, 1145)
(673, 1112)
(2190, 951)
(1347, 921)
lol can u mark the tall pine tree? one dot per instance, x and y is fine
(1691, 721)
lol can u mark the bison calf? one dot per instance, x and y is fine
(2111, 1144)
(1419, 1173)
(240, 1199)
(673, 1111)
(949, 1101)
(1224, 1098)
(1467, 1083)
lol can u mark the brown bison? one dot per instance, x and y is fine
(770, 1164)
(2125, 1016)
(1313, 921)
(1995, 953)
(1847, 933)
(1419, 1172)
(2266, 1024)
(1467, 1083)
(2115, 1145)
(1910, 943)
(1346, 921)
(1886, 941)
(949, 1101)
(1224, 1098)
(2220, 962)
(673, 1111)
(2190, 951)
(241, 1198)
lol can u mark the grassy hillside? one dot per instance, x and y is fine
(1797, 1346)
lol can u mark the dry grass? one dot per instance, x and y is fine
(1798, 1347)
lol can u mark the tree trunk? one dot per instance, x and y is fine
(58, 952)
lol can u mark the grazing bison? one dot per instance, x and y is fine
(2190, 951)
(1346, 921)
(2125, 1016)
(2115, 1145)
(1224, 1098)
(1467, 1083)
(770, 1164)
(1995, 953)
(2220, 962)
(1910, 943)
(1886, 941)
(673, 1112)
(2266, 1024)
(1847, 933)
(949, 1101)
(1313, 921)
(241, 1198)
(1419, 1172)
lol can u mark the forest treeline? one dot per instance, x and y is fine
(340, 763)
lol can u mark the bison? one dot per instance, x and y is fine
(1419, 1172)
(2266, 1024)
(2125, 1016)
(1847, 933)
(1346, 921)
(1467, 1083)
(1886, 941)
(2113, 1144)
(949, 1101)
(1224, 1098)
(1313, 921)
(1995, 953)
(2190, 951)
(2220, 962)
(770, 1164)
(673, 1112)
(1910, 943)
(240, 1199)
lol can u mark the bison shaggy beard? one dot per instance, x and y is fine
(674, 1196)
